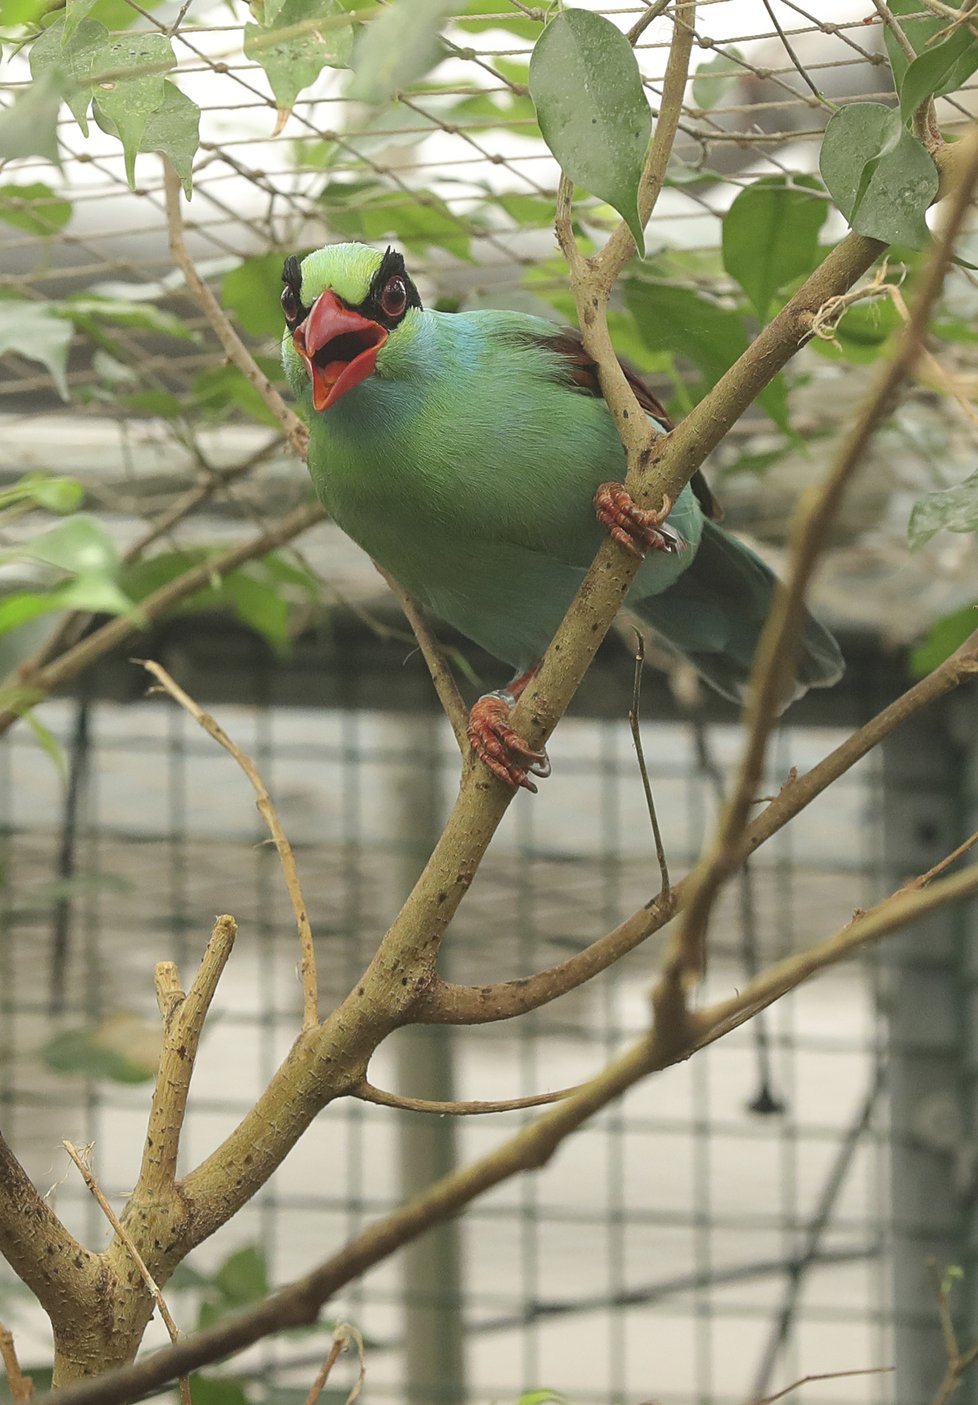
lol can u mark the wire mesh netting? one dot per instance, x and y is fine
(722, 1232)
(759, 1214)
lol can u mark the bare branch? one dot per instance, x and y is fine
(62, 1274)
(444, 1002)
(268, 812)
(634, 723)
(183, 1017)
(293, 428)
(88, 1177)
(532, 1147)
(367, 1093)
(434, 656)
(21, 1386)
(778, 644)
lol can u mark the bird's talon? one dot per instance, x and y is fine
(636, 529)
(499, 747)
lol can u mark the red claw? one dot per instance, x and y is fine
(504, 751)
(635, 529)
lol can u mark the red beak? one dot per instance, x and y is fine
(338, 346)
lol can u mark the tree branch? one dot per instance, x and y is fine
(367, 1093)
(294, 430)
(777, 648)
(268, 812)
(531, 1148)
(116, 632)
(447, 1003)
(66, 1278)
(183, 1024)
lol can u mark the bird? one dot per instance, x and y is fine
(473, 456)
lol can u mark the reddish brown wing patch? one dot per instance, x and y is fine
(584, 373)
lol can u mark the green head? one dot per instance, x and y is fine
(343, 305)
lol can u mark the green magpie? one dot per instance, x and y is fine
(472, 455)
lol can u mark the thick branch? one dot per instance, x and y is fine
(445, 1003)
(65, 1278)
(532, 1147)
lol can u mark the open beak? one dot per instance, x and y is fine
(338, 346)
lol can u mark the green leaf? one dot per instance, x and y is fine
(690, 325)
(951, 510)
(132, 88)
(48, 742)
(70, 59)
(14, 13)
(253, 291)
(945, 636)
(942, 68)
(296, 48)
(21, 606)
(715, 78)
(217, 1390)
(770, 237)
(416, 221)
(592, 110)
(243, 1277)
(223, 388)
(174, 129)
(397, 48)
(34, 208)
(60, 495)
(918, 31)
(75, 12)
(77, 1052)
(35, 332)
(84, 309)
(81, 547)
(28, 127)
(879, 175)
(542, 1397)
(259, 605)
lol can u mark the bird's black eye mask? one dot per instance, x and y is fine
(291, 300)
(391, 293)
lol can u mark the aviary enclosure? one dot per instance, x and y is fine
(576, 1120)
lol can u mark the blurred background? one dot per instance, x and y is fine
(766, 1211)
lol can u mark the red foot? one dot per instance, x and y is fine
(503, 750)
(633, 528)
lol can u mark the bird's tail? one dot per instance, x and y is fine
(715, 612)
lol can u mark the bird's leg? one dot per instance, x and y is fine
(635, 529)
(495, 743)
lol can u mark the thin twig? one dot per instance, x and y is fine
(367, 1093)
(293, 428)
(958, 1362)
(183, 1024)
(438, 666)
(895, 28)
(947, 861)
(822, 1376)
(266, 808)
(770, 675)
(113, 1219)
(657, 8)
(634, 723)
(21, 1386)
(342, 1337)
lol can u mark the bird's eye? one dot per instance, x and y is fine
(393, 299)
(291, 305)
